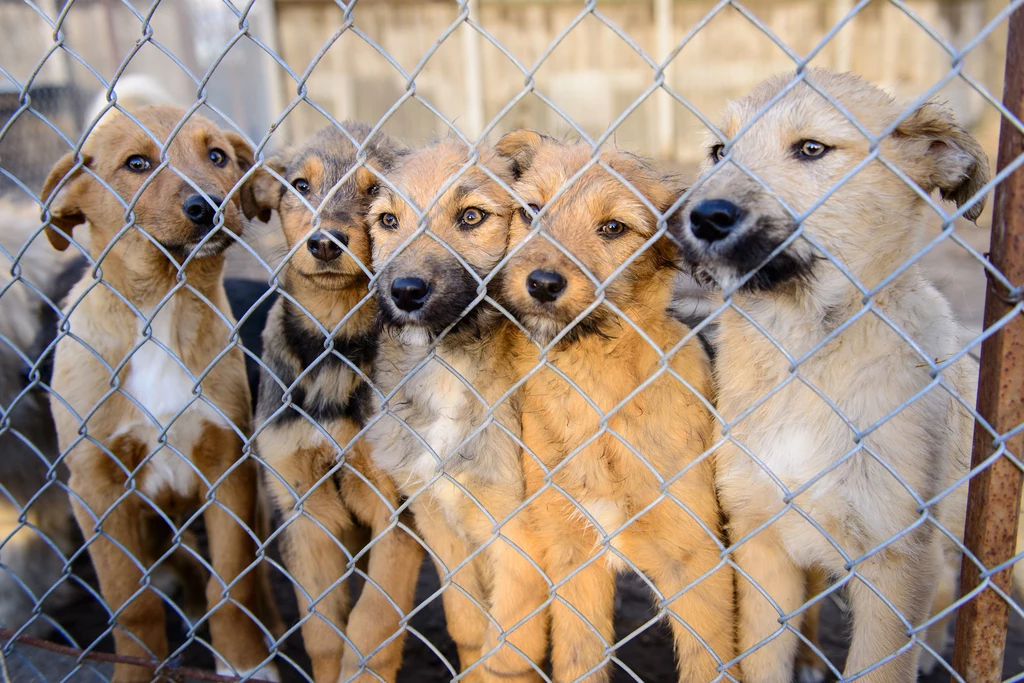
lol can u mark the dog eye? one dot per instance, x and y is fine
(612, 228)
(138, 163)
(811, 149)
(472, 217)
(716, 153)
(302, 185)
(218, 157)
(372, 190)
(388, 221)
(527, 218)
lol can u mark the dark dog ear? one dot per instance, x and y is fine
(519, 146)
(264, 191)
(943, 155)
(65, 207)
(247, 193)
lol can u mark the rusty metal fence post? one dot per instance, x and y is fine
(994, 494)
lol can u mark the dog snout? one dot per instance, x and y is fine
(410, 293)
(324, 246)
(713, 219)
(545, 285)
(200, 211)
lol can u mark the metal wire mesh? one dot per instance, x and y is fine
(341, 559)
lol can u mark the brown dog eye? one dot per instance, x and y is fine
(527, 218)
(811, 149)
(716, 153)
(388, 221)
(302, 185)
(612, 228)
(138, 163)
(472, 217)
(218, 157)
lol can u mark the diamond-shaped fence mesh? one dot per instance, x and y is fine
(511, 340)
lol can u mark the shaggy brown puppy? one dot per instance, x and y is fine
(618, 413)
(837, 442)
(149, 408)
(450, 435)
(318, 344)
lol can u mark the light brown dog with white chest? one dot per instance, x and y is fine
(854, 459)
(128, 372)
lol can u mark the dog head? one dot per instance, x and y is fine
(169, 208)
(323, 176)
(800, 149)
(425, 285)
(601, 222)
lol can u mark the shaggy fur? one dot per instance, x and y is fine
(156, 345)
(871, 224)
(459, 470)
(606, 512)
(312, 406)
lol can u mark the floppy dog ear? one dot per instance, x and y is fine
(247, 193)
(65, 208)
(519, 146)
(943, 155)
(264, 191)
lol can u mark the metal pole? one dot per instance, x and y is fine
(994, 494)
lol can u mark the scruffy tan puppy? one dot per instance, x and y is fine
(314, 402)
(828, 430)
(637, 494)
(144, 362)
(450, 433)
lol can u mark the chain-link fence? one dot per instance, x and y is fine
(470, 390)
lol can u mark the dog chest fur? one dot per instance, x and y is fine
(157, 381)
(868, 371)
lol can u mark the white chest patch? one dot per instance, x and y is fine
(445, 401)
(610, 516)
(159, 383)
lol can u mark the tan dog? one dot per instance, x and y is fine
(450, 435)
(864, 489)
(302, 441)
(143, 361)
(606, 511)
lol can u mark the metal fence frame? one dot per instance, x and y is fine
(996, 475)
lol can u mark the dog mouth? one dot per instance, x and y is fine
(430, 304)
(742, 258)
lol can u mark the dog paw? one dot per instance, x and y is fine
(806, 673)
(927, 663)
(267, 672)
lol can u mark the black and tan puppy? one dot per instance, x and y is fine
(150, 408)
(618, 413)
(450, 435)
(318, 345)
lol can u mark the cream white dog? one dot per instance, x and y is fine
(857, 435)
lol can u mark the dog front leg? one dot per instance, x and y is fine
(465, 614)
(908, 584)
(582, 620)
(677, 555)
(230, 524)
(519, 589)
(116, 548)
(766, 562)
(395, 559)
(314, 557)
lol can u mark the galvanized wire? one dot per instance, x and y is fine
(658, 85)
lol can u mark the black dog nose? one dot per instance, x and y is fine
(409, 293)
(544, 285)
(200, 211)
(322, 247)
(713, 219)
